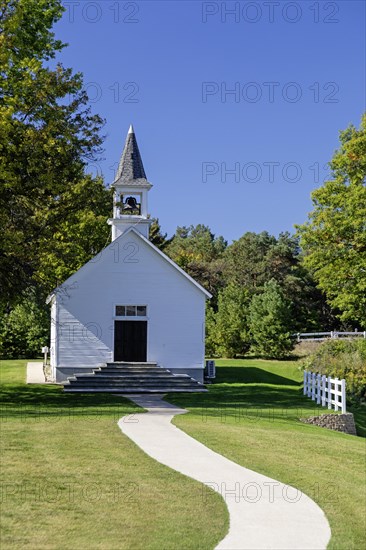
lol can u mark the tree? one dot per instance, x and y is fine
(47, 135)
(195, 243)
(227, 330)
(255, 259)
(73, 233)
(156, 236)
(270, 322)
(25, 329)
(210, 326)
(334, 238)
(199, 252)
(245, 260)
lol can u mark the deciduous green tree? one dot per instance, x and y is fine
(47, 135)
(72, 233)
(195, 243)
(25, 329)
(334, 238)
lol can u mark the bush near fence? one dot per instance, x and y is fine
(341, 359)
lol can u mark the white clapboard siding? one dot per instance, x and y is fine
(326, 391)
(86, 308)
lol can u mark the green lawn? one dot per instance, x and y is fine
(251, 416)
(71, 479)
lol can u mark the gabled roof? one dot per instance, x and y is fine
(161, 254)
(131, 169)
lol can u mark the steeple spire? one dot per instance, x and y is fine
(130, 191)
(131, 168)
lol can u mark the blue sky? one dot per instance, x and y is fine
(236, 105)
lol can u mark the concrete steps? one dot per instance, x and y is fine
(122, 377)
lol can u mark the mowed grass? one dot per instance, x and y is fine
(70, 478)
(251, 416)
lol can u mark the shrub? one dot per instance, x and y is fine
(25, 329)
(342, 359)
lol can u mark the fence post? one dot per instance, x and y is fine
(343, 397)
(305, 382)
(318, 387)
(336, 384)
(313, 382)
(329, 398)
(324, 388)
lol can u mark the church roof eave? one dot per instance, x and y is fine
(138, 183)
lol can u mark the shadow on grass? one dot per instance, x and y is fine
(225, 405)
(20, 400)
(249, 389)
(247, 395)
(251, 375)
(248, 356)
(245, 392)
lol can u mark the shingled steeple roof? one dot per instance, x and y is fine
(131, 170)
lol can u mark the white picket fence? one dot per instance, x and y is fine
(325, 390)
(311, 336)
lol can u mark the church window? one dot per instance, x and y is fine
(130, 311)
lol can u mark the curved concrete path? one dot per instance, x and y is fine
(264, 514)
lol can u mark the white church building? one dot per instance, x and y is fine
(130, 304)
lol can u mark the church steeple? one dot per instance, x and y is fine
(130, 166)
(130, 191)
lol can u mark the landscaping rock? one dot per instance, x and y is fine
(340, 422)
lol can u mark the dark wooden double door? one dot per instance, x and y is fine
(130, 341)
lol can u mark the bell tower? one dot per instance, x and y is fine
(130, 192)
